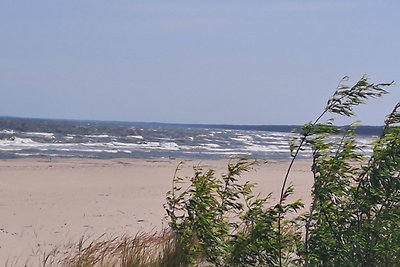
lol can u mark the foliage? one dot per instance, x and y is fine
(221, 221)
(354, 217)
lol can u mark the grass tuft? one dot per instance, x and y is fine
(150, 250)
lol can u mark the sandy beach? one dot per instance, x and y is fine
(47, 204)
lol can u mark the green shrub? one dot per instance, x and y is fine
(221, 221)
(354, 217)
(353, 220)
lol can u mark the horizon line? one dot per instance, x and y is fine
(165, 123)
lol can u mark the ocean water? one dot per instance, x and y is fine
(21, 138)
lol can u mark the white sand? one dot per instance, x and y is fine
(46, 205)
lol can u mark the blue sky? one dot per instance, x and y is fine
(233, 62)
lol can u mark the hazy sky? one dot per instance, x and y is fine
(232, 62)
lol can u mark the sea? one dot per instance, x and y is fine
(48, 138)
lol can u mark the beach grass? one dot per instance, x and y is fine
(158, 249)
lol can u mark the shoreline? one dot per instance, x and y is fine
(47, 204)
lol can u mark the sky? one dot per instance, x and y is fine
(213, 62)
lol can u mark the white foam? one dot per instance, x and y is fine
(25, 154)
(7, 132)
(125, 151)
(224, 153)
(151, 144)
(46, 135)
(211, 145)
(10, 149)
(136, 136)
(18, 144)
(169, 146)
(17, 141)
(119, 144)
(217, 149)
(243, 139)
(268, 148)
(146, 145)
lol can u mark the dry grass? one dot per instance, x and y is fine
(158, 249)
